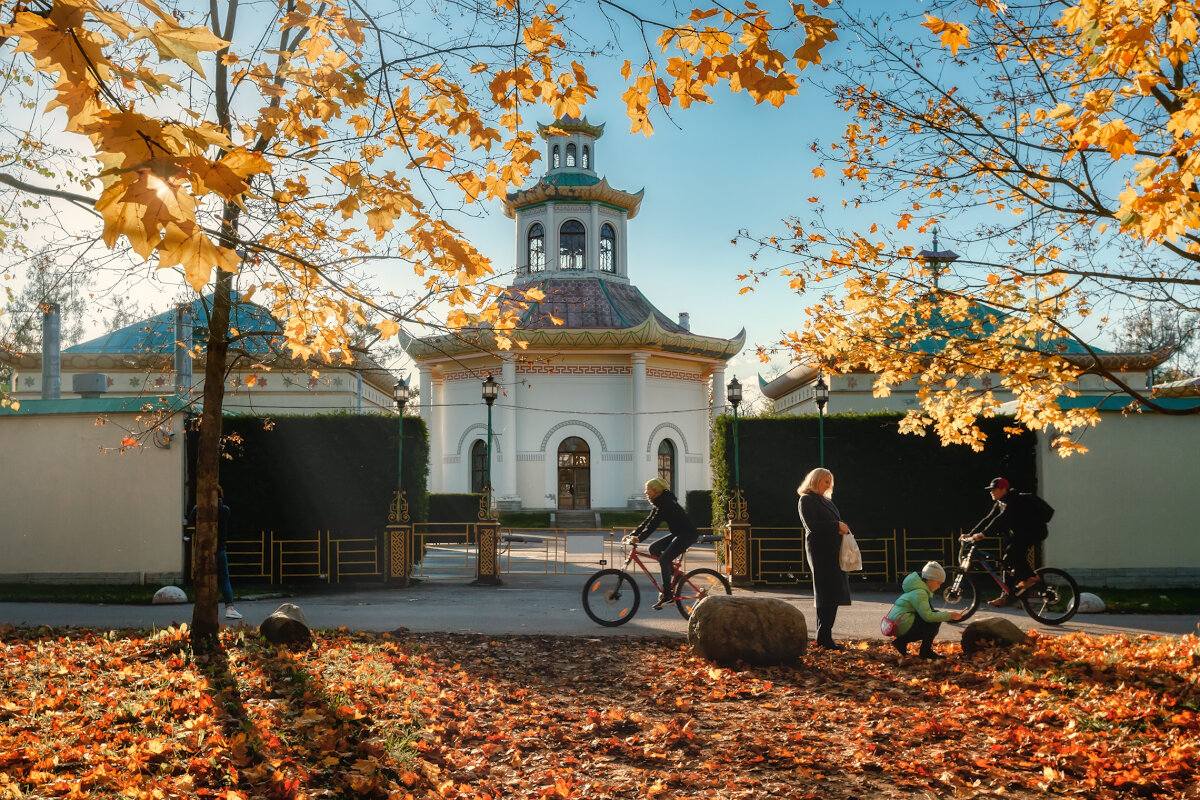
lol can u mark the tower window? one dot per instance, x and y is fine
(572, 245)
(535, 253)
(555, 158)
(608, 248)
(586, 157)
(571, 154)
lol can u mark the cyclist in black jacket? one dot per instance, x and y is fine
(1020, 513)
(665, 508)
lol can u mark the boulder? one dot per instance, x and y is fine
(286, 625)
(757, 630)
(991, 632)
(1091, 604)
(168, 595)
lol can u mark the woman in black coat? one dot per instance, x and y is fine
(823, 532)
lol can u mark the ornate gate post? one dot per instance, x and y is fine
(398, 553)
(487, 551)
(737, 540)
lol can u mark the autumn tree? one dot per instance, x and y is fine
(1054, 147)
(296, 151)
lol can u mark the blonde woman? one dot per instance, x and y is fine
(823, 532)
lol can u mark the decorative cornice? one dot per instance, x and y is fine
(647, 335)
(572, 125)
(600, 192)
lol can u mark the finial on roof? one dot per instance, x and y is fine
(935, 247)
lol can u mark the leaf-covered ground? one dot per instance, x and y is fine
(462, 716)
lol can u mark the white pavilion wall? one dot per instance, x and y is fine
(586, 396)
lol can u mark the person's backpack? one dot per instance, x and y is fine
(1043, 512)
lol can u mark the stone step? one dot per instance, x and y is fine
(584, 518)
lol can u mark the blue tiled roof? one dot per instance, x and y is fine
(981, 322)
(157, 334)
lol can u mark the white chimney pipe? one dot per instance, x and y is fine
(183, 346)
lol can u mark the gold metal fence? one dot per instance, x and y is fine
(777, 554)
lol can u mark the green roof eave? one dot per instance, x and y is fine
(648, 335)
(97, 405)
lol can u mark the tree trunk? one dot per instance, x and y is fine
(205, 625)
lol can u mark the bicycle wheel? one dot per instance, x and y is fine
(1054, 599)
(698, 584)
(611, 597)
(958, 593)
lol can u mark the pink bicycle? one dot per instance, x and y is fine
(611, 596)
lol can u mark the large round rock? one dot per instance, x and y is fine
(756, 630)
(169, 594)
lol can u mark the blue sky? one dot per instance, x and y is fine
(712, 171)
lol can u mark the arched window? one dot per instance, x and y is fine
(572, 245)
(535, 252)
(586, 158)
(666, 463)
(571, 154)
(608, 248)
(478, 465)
(554, 158)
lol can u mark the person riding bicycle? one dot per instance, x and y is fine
(1023, 514)
(683, 533)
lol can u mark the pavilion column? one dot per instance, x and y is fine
(507, 405)
(638, 427)
(433, 415)
(718, 391)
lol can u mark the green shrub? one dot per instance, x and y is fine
(454, 507)
(699, 507)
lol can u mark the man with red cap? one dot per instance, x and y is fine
(1025, 516)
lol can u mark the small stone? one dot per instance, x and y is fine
(757, 630)
(991, 632)
(168, 595)
(1091, 604)
(286, 625)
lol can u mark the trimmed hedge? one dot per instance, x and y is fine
(454, 507)
(699, 506)
(295, 475)
(885, 480)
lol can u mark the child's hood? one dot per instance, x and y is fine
(913, 581)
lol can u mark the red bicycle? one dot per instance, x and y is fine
(611, 596)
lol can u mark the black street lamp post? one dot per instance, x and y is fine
(737, 505)
(491, 390)
(821, 395)
(398, 544)
(400, 393)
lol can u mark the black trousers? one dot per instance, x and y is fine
(826, 616)
(1016, 561)
(667, 549)
(921, 631)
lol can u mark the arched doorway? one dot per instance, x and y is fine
(478, 465)
(574, 474)
(666, 464)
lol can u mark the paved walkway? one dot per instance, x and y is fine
(535, 604)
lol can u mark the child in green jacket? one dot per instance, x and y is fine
(914, 617)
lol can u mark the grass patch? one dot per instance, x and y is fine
(98, 593)
(525, 519)
(1148, 601)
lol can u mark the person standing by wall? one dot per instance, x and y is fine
(224, 584)
(823, 532)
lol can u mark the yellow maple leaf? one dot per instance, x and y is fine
(388, 328)
(181, 44)
(954, 35)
